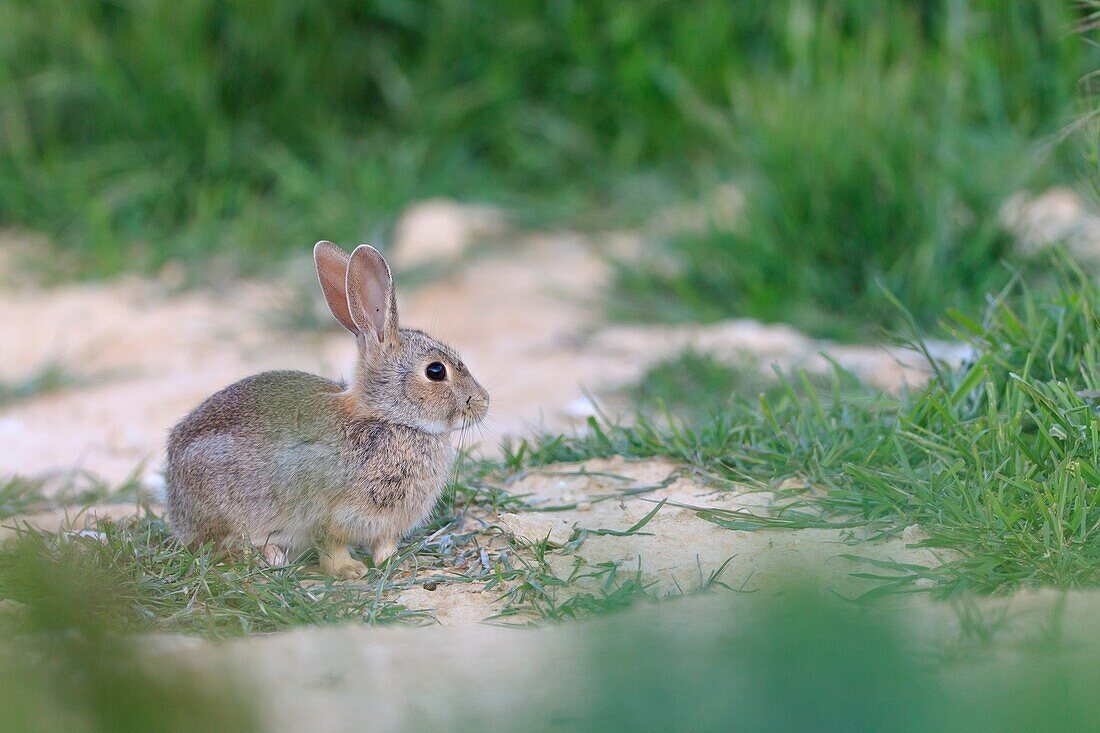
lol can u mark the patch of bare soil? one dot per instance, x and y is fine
(677, 550)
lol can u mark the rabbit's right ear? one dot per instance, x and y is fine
(332, 270)
(371, 300)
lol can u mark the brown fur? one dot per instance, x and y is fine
(288, 460)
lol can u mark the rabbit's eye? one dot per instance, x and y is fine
(436, 372)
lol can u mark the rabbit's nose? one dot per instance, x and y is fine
(477, 405)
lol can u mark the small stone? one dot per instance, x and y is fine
(440, 230)
(913, 535)
(538, 527)
(13, 611)
(430, 585)
(581, 408)
(793, 484)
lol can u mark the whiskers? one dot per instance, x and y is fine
(460, 460)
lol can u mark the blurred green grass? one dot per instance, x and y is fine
(137, 131)
(874, 140)
(695, 387)
(875, 155)
(792, 661)
(804, 662)
(64, 668)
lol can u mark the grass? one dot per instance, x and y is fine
(723, 667)
(878, 154)
(802, 662)
(93, 683)
(996, 459)
(136, 133)
(20, 495)
(156, 584)
(64, 668)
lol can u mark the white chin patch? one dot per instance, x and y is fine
(436, 427)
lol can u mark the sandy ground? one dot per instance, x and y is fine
(677, 550)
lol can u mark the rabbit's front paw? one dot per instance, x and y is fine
(341, 565)
(350, 570)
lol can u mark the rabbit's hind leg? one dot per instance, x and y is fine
(274, 556)
(276, 548)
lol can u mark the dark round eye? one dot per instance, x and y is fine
(436, 372)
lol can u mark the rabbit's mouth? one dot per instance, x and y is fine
(465, 413)
(474, 409)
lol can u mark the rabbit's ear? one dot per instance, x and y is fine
(371, 299)
(332, 272)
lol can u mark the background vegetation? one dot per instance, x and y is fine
(874, 141)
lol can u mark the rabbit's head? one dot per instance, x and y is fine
(403, 376)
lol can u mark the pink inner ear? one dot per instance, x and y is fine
(368, 287)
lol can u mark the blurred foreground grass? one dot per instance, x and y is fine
(64, 668)
(796, 661)
(802, 662)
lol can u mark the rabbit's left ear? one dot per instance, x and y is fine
(372, 303)
(332, 273)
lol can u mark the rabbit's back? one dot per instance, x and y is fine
(253, 457)
(267, 404)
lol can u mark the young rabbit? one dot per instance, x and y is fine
(287, 460)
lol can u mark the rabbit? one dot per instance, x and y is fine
(287, 460)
